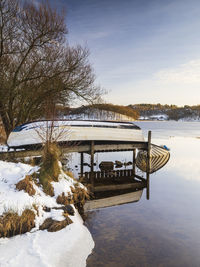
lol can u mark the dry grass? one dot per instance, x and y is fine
(33, 161)
(78, 198)
(58, 225)
(27, 185)
(46, 224)
(50, 168)
(50, 164)
(64, 200)
(12, 224)
(47, 187)
(70, 174)
(65, 214)
(54, 226)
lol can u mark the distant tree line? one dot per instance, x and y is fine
(124, 110)
(135, 111)
(172, 111)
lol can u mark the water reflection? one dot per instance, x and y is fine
(163, 231)
(113, 198)
(146, 233)
(131, 237)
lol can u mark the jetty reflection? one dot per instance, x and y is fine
(165, 230)
(113, 200)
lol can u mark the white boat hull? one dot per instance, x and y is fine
(68, 133)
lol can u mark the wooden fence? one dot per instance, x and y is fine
(99, 175)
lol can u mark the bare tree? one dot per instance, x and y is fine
(36, 63)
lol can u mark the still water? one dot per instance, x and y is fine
(162, 231)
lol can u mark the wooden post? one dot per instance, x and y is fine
(148, 163)
(92, 164)
(82, 164)
(134, 154)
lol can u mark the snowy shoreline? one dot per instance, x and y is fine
(164, 117)
(67, 247)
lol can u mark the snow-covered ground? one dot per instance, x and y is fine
(96, 114)
(194, 118)
(158, 117)
(165, 117)
(67, 247)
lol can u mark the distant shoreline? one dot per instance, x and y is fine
(167, 120)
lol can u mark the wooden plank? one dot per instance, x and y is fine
(106, 147)
(117, 173)
(77, 148)
(148, 163)
(112, 201)
(119, 186)
(82, 159)
(98, 174)
(121, 147)
(134, 160)
(92, 163)
(20, 154)
(140, 178)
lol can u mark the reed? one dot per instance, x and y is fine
(27, 185)
(12, 224)
(50, 168)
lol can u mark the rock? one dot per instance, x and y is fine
(47, 209)
(118, 164)
(69, 209)
(106, 166)
(127, 163)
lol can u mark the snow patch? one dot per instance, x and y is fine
(68, 247)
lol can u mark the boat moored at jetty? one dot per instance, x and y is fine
(62, 131)
(159, 156)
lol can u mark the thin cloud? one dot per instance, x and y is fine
(185, 73)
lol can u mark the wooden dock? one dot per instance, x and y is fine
(92, 147)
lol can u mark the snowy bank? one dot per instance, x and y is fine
(67, 247)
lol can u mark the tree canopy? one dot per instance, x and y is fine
(37, 66)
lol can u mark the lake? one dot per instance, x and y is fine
(162, 231)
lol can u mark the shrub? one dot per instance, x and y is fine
(27, 185)
(12, 224)
(78, 198)
(54, 226)
(50, 168)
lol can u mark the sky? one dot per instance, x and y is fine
(142, 51)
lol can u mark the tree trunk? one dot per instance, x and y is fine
(5, 120)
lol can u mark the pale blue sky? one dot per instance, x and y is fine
(142, 51)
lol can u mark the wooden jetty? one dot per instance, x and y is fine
(98, 179)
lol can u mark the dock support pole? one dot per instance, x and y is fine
(81, 164)
(92, 164)
(134, 154)
(148, 164)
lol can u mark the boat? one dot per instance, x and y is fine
(119, 199)
(159, 156)
(61, 131)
